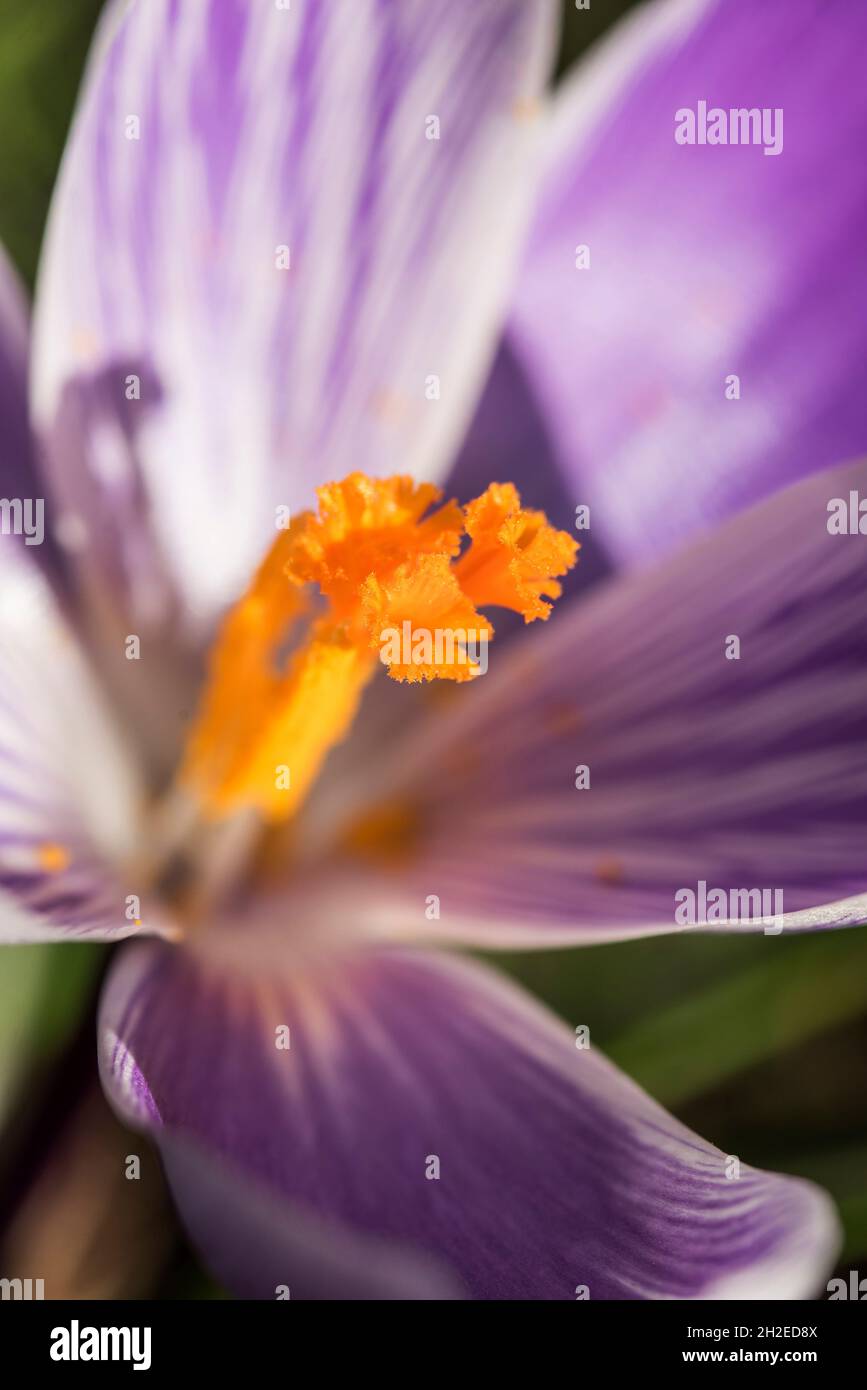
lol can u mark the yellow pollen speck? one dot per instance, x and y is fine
(527, 108)
(391, 407)
(440, 694)
(84, 344)
(462, 763)
(609, 871)
(288, 670)
(53, 859)
(564, 719)
(386, 832)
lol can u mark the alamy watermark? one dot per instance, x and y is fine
(440, 646)
(853, 1289)
(77, 1343)
(847, 516)
(700, 905)
(25, 1289)
(739, 125)
(23, 516)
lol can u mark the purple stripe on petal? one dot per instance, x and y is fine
(261, 1246)
(69, 797)
(706, 262)
(422, 1101)
(746, 772)
(208, 138)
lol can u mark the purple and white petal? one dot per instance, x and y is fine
(423, 1101)
(274, 227)
(702, 722)
(69, 797)
(261, 1246)
(707, 263)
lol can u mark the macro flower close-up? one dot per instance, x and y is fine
(433, 651)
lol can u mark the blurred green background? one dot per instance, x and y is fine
(759, 1043)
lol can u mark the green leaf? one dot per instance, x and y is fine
(43, 45)
(853, 1212)
(22, 972)
(43, 990)
(842, 1172)
(780, 1000)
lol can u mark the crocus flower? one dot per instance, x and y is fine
(286, 245)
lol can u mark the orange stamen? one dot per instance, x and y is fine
(515, 555)
(286, 678)
(420, 602)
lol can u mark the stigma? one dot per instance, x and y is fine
(382, 574)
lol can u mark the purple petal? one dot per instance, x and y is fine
(425, 1102)
(706, 261)
(265, 132)
(68, 795)
(508, 441)
(259, 1245)
(747, 774)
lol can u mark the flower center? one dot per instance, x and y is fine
(381, 574)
